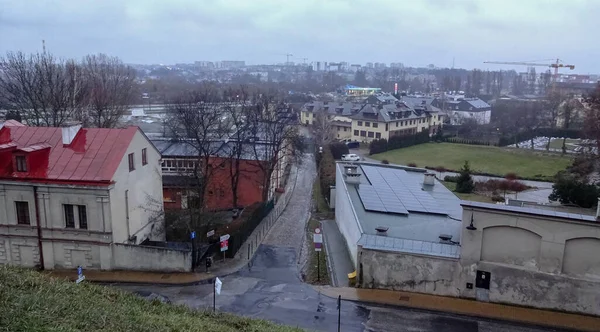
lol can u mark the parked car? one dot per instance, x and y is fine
(352, 145)
(350, 157)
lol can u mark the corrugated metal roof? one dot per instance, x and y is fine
(93, 156)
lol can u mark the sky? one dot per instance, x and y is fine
(414, 32)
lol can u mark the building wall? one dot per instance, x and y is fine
(345, 216)
(306, 117)
(533, 260)
(407, 272)
(358, 126)
(482, 117)
(137, 194)
(145, 258)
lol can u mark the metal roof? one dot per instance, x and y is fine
(404, 187)
(531, 211)
(385, 243)
(221, 148)
(93, 156)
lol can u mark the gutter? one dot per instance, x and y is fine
(39, 227)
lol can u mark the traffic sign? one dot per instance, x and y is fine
(318, 246)
(210, 233)
(317, 230)
(79, 271)
(193, 235)
(218, 284)
(224, 245)
(224, 237)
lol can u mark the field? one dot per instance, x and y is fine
(30, 301)
(483, 159)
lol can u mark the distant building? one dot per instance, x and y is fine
(351, 90)
(459, 108)
(405, 231)
(231, 64)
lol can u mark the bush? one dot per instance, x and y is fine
(385, 161)
(397, 142)
(450, 178)
(569, 190)
(464, 183)
(498, 198)
(338, 149)
(511, 176)
(412, 165)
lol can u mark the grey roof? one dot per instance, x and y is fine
(432, 210)
(417, 101)
(478, 103)
(531, 211)
(393, 112)
(376, 242)
(174, 148)
(332, 108)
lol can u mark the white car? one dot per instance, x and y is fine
(350, 157)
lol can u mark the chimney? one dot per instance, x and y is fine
(429, 179)
(351, 174)
(69, 131)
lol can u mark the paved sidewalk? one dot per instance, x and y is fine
(338, 258)
(466, 307)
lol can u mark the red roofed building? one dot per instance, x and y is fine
(67, 195)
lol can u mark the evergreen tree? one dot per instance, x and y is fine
(464, 183)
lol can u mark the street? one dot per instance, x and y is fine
(271, 287)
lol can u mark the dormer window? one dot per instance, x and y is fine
(21, 163)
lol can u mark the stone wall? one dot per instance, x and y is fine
(146, 258)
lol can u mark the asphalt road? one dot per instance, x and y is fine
(271, 288)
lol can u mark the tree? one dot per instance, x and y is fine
(569, 189)
(592, 117)
(276, 139)
(554, 101)
(111, 87)
(531, 118)
(360, 78)
(464, 182)
(322, 128)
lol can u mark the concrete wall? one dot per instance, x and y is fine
(145, 258)
(144, 198)
(345, 216)
(536, 261)
(408, 272)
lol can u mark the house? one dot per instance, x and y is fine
(406, 231)
(76, 196)
(394, 119)
(180, 160)
(459, 108)
(332, 110)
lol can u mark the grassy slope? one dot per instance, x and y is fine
(30, 301)
(492, 160)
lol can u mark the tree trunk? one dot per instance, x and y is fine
(564, 146)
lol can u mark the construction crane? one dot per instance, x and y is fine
(304, 60)
(287, 57)
(558, 64)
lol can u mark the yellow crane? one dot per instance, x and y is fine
(556, 65)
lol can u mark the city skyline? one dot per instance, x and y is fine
(463, 32)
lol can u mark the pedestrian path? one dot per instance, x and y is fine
(338, 258)
(466, 307)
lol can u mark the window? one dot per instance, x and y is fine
(396, 123)
(367, 124)
(370, 134)
(131, 163)
(21, 164)
(359, 123)
(70, 221)
(363, 133)
(22, 213)
(377, 135)
(345, 129)
(375, 125)
(355, 132)
(144, 158)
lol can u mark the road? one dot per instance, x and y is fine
(271, 288)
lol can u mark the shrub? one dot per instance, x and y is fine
(338, 149)
(569, 190)
(464, 183)
(450, 178)
(498, 198)
(385, 161)
(511, 176)
(397, 142)
(412, 165)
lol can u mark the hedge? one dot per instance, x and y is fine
(397, 142)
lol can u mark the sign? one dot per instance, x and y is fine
(218, 284)
(318, 246)
(318, 237)
(224, 245)
(210, 233)
(80, 276)
(224, 237)
(193, 235)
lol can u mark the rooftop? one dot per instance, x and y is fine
(531, 211)
(414, 214)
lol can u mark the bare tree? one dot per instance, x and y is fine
(323, 128)
(111, 89)
(532, 118)
(196, 118)
(276, 139)
(592, 117)
(553, 104)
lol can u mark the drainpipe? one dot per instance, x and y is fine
(39, 226)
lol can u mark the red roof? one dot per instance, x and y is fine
(92, 158)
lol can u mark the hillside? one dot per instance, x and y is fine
(30, 301)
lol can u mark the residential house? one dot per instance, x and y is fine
(459, 108)
(76, 196)
(394, 119)
(336, 112)
(406, 231)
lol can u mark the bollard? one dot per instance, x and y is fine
(248, 251)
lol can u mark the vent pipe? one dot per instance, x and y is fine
(429, 179)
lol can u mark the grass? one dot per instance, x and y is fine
(570, 143)
(317, 262)
(30, 301)
(320, 204)
(483, 159)
(467, 197)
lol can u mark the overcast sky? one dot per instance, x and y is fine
(414, 32)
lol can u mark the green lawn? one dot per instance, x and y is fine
(484, 159)
(30, 301)
(570, 143)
